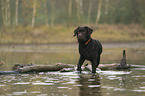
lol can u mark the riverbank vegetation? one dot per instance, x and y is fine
(63, 34)
(53, 21)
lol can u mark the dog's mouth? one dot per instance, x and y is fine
(81, 38)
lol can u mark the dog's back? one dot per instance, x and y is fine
(98, 46)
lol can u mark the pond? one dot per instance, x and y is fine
(104, 83)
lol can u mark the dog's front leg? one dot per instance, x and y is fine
(80, 63)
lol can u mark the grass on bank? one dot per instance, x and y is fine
(63, 34)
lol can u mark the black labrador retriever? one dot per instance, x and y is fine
(89, 49)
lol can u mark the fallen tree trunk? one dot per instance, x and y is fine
(38, 68)
(66, 67)
(114, 66)
(44, 68)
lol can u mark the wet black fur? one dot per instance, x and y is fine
(88, 51)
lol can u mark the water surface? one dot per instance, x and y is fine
(103, 83)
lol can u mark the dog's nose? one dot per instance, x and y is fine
(80, 34)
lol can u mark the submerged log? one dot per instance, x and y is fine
(123, 60)
(66, 67)
(17, 66)
(67, 70)
(114, 66)
(44, 68)
(39, 68)
(8, 72)
(19, 69)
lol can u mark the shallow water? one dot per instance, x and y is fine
(103, 83)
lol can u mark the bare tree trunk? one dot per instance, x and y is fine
(5, 5)
(34, 13)
(8, 10)
(6, 14)
(81, 10)
(107, 7)
(46, 14)
(99, 12)
(81, 7)
(79, 4)
(16, 22)
(69, 12)
(3, 12)
(89, 10)
(52, 12)
(78, 11)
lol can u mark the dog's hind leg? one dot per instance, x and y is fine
(94, 64)
(98, 61)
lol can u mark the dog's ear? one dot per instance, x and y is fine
(90, 31)
(75, 31)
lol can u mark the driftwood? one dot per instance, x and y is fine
(61, 68)
(123, 61)
(39, 68)
(114, 66)
(44, 68)
(19, 69)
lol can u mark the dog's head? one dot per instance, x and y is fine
(83, 33)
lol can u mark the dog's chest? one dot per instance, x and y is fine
(87, 51)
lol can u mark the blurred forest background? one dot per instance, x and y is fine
(53, 21)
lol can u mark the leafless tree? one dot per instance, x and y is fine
(69, 11)
(16, 12)
(3, 12)
(52, 12)
(107, 7)
(46, 13)
(81, 10)
(99, 12)
(34, 13)
(78, 10)
(5, 6)
(89, 10)
(9, 13)
(79, 5)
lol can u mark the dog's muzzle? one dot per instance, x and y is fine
(80, 36)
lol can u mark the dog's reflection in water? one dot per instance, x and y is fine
(90, 85)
